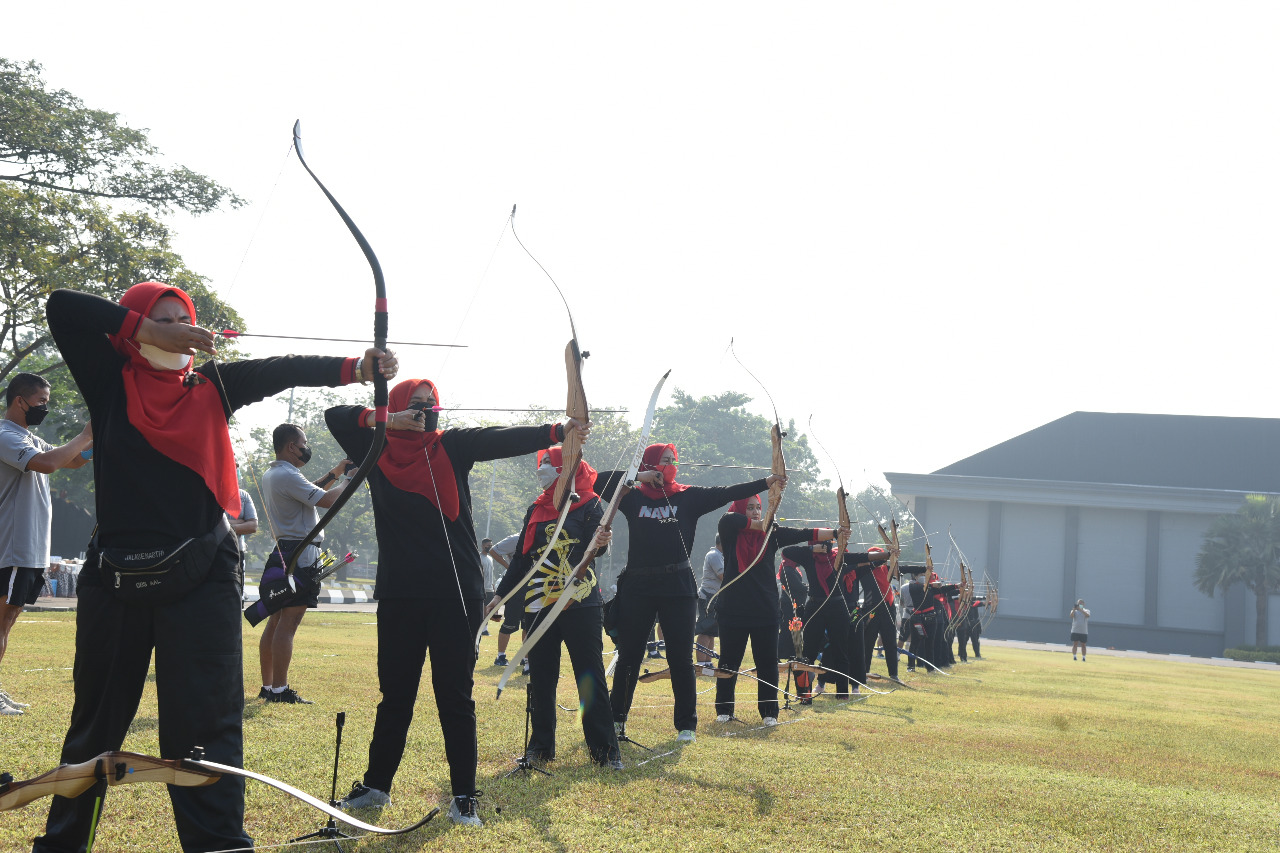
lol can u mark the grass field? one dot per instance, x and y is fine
(1027, 751)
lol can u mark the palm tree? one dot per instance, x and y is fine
(1244, 548)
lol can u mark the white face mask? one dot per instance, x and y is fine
(162, 359)
(547, 474)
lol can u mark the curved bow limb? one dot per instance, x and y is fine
(379, 381)
(118, 768)
(606, 523)
(336, 814)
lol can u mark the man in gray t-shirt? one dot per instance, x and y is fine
(246, 524)
(290, 502)
(26, 513)
(705, 626)
(1079, 630)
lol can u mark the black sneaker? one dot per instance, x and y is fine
(265, 693)
(464, 810)
(288, 696)
(364, 797)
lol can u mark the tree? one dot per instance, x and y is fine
(1244, 548)
(49, 139)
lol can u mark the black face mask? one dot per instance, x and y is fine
(304, 454)
(430, 419)
(36, 414)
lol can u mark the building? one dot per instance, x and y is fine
(1111, 508)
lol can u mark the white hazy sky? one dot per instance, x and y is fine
(932, 225)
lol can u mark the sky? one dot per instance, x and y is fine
(932, 226)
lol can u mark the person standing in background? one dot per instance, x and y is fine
(705, 626)
(1079, 630)
(26, 511)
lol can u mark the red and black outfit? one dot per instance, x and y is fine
(658, 580)
(163, 473)
(430, 585)
(579, 625)
(878, 616)
(826, 624)
(970, 628)
(748, 610)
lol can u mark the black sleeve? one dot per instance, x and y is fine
(607, 482)
(591, 520)
(519, 562)
(704, 499)
(481, 444)
(344, 425)
(245, 382)
(793, 535)
(797, 553)
(80, 323)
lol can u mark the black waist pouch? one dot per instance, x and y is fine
(160, 575)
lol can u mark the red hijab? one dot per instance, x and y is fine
(417, 462)
(750, 541)
(649, 462)
(188, 424)
(544, 508)
(825, 565)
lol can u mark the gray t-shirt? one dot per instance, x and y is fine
(247, 512)
(291, 505)
(26, 513)
(1079, 621)
(506, 549)
(712, 573)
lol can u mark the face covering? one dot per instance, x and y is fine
(304, 454)
(36, 414)
(430, 419)
(547, 474)
(162, 359)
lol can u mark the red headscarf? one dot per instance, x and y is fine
(749, 541)
(188, 424)
(417, 462)
(825, 565)
(880, 571)
(649, 462)
(544, 508)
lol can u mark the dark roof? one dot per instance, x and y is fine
(1236, 454)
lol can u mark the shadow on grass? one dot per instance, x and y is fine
(143, 724)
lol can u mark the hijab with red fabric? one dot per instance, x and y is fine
(544, 508)
(187, 424)
(416, 461)
(825, 566)
(750, 541)
(649, 462)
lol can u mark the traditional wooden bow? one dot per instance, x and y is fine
(606, 523)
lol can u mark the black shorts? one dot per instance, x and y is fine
(705, 624)
(511, 616)
(22, 586)
(1079, 638)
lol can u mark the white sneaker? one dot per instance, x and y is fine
(724, 718)
(686, 736)
(363, 797)
(770, 721)
(9, 700)
(7, 710)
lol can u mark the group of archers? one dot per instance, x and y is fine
(167, 494)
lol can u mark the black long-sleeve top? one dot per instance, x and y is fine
(548, 582)
(753, 601)
(660, 532)
(143, 498)
(418, 546)
(856, 564)
(791, 587)
(923, 602)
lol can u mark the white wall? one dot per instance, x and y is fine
(1180, 604)
(1112, 564)
(968, 522)
(1032, 560)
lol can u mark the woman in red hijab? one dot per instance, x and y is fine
(748, 611)
(164, 474)
(657, 582)
(430, 585)
(579, 625)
